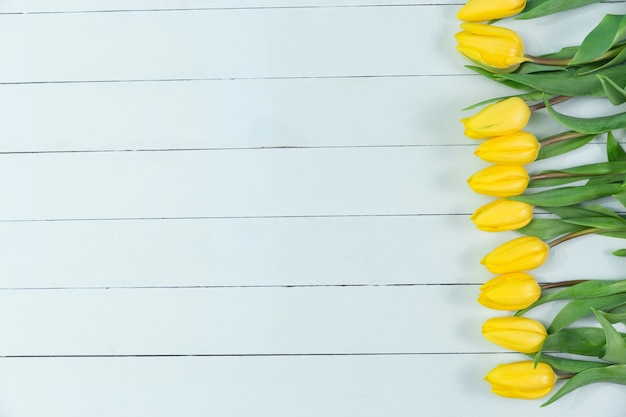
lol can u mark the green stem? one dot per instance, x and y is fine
(573, 235)
(554, 62)
(561, 137)
(568, 375)
(554, 100)
(561, 284)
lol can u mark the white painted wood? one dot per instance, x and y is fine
(237, 113)
(279, 182)
(310, 386)
(234, 321)
(61, 6)
(368, 250)
(254, 43)
(241, 251)
(361, 111)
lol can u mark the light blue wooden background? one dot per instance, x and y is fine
(254, 208)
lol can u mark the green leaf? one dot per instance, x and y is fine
(534, 68)
(606, 179)
(581, 211)
(561, 147)
(615, 93)
(605, 170)
(566, 196)
(604, 223)
(617, 60)
(567, 52)
(492, 76)
(587, 341)
(550, 182)
(564, 83)
(567, 365)
(614, 150)
(582, 307)
(610, 31)
(586, 289)
(621, 197)
(613, 373)
(619, 252)
(538, 8)
(547, 229)
(589, 125)
(615, 349)
(616, 315)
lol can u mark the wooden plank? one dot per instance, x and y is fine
(332, 386)
(237, 113)
(63, 6)
(231, 43)
(272, 252)
(234, 321)
(278, 182)
(365, 111)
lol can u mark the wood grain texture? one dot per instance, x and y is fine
(334, 386)
(255, 208)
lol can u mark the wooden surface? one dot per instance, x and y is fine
(254, 208)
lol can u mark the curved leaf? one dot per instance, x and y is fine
(559, 148)
(566, 196)
(615, 349)
(538, 8)
(595, 125)
(610, 31)
(613, 373)
(582, 307)
(612, 91)
(587, 341)
(547, 229)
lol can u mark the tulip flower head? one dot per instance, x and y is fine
(520, 334)
(497, 119)
(522, 380)
(511, 291)
(483, 10)
(520, 254)
(519, 148)
(500, 180)
(502, 215)
(494, 48)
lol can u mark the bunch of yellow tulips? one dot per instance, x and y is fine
(499, 54)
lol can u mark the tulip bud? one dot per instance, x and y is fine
(500, 180)
(494, 48)
(520, 254)
(520, 334)
(512, 291)
(483, 10)
(519, 148)
(522, 380)
(497, 119)
(502, 215)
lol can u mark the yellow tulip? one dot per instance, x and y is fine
(511, 291)
(497, 119)
(500, 180)
(494, 48)
(520, 334)
(519, 148)
(483, 10)
(522, 380)
(502, 215)
(520, 254)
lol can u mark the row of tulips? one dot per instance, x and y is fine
(595, 68)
